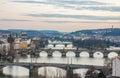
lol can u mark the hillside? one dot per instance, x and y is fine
(32, 33)
(104, 32)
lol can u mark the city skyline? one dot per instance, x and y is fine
(60, 15)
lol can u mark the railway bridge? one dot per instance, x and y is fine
(33, 67)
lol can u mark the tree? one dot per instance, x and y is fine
(101, 74)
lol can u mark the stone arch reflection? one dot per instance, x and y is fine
(16, 71)
(84, 54)
(52, 72)
(112, 55)
(70, 54)
(98, 54)
(56, 54)
(43, 54)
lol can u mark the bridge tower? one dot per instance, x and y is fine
(69, 72)
(11, 42)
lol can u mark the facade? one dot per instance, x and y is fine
(113, 48)
(116, 67)
(24, 36)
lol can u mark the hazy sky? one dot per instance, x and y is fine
(61, 15)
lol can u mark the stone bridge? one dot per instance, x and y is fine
(76, 51)
(33, 67)
(58, 43)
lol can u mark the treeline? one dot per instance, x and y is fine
(92, 44)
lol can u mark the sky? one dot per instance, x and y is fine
(60, 15)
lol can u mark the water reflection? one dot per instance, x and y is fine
(112, 55)
(56, 54)
(20, 72)
(11, 70)
(52, 72)
(98, 54)
(43, 54)
(70, 54)
(2, 75)
(81, 72)
(84, 54)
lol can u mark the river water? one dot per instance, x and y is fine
(51, 72)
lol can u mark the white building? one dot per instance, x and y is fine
(113, 48)
(116, 67)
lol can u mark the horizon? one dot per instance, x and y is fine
(58, 30)
(59, 15)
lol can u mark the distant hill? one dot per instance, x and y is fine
(32, 33)
(53, 33)
(104, 32)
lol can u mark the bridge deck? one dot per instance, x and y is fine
(73, 66)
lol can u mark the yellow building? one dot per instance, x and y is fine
(23, 45)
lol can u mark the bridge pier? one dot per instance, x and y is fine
(77, 54)
(63, 54)
(69, 72)
(49, 54)
(91, 55)
(54, 45)
(105, 55)
(65, 45)
(33, 71)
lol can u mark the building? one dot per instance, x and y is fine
(116, 68)
(113, 48)
(24, 36)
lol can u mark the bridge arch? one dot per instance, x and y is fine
(83, 71)
(112, 54)
(61, 46)
(43, 54)
(84, 54)
(69, 46)
(50, 46)
(12, 70)
(50, 70)
(98, 54)
(70, 54)
(57, 54)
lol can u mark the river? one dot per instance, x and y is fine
(53, 72)
(20, 72)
